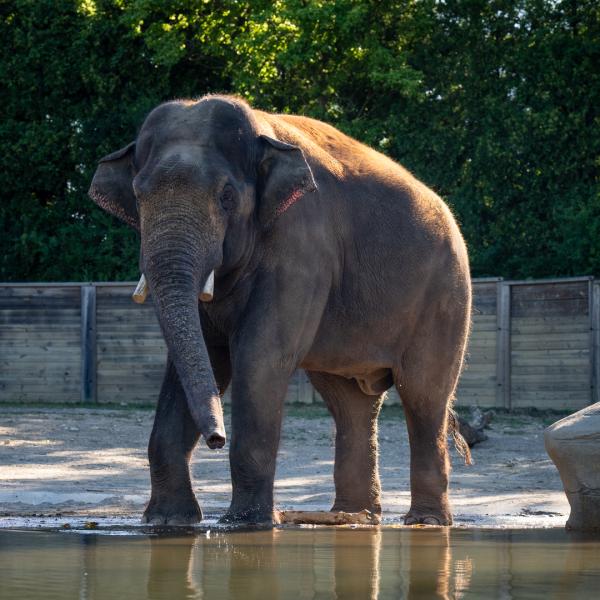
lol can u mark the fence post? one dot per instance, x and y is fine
(503, 345)
(88, 343)
(594, 308)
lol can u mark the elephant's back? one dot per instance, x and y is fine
(399, 253)
(391, 225)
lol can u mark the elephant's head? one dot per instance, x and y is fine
(201, 183)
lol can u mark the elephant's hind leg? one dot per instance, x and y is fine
(426, 384)
(356, 473)
(172, 441)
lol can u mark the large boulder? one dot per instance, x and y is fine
(573, 443)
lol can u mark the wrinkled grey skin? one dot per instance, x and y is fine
(328, 257)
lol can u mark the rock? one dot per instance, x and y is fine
(573, 444)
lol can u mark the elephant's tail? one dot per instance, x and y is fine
(459, 441)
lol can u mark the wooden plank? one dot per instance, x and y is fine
(485, 380)
(558, 290)
(484, 323)
(552, 370)
(43, 349)
(149, 347)
(128, 334)
(552, 400)
(24, 343)
(503, 371)
(41, 311)
(544, 385)
(487, 373)
(550, 357)
(106, 310)
(483, 356)
(476, 393)
(32, 293)
(39, 321)
(482, 345)
(549, 280)
(558, 325)
(472, 397)
(480, 390)
(131, 350)
(484, 298)
(41, 284)
(9, 391)
(482, 401)
(57, 330)
(564, 307)
(595, 342)
(141, 373)
(484, 331)
(127, 356)
(43, 398)
(27, 386)
(58, 368)
(542, 343)
(120, 355)
(477, 383)
(88, 344)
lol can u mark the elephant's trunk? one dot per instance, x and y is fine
(175, 278)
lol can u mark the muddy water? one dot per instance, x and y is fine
(301, 563)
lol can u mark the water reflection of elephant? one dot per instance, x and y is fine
(278, 564)
(332, 563)
(313, 563)
(374, 563)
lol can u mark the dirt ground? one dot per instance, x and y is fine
(68, 464)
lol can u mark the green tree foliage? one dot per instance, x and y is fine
(493, 103)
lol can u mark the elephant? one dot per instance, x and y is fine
(327, 256)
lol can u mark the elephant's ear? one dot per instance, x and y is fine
(112, 187)
(284, 177)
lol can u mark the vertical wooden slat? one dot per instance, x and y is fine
(305, 389)
(594, 305)
(503, 345)
(88, 343)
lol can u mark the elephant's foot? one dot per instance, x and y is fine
(250, 516)
(173, 511)
(427, 516)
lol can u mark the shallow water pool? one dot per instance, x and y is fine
(301, 563)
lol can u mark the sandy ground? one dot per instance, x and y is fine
(74, 464)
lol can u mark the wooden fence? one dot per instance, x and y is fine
(532, 344)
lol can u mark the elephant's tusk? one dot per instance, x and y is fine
(209, 288)
(141, 290)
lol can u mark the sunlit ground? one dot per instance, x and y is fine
(92, 463)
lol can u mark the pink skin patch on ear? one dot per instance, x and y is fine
(291, 199)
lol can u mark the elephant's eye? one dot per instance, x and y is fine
(228, 198)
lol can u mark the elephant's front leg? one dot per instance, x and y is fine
(172, 441)
(258, 392)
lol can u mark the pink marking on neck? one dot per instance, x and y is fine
(291, 199)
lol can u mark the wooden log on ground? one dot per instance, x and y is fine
(472, 430)
(323, 517)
